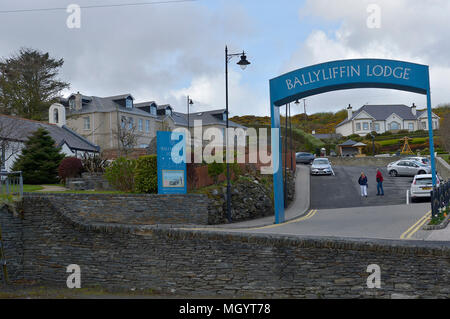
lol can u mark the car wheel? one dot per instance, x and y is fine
(393, 173)
(421, 173)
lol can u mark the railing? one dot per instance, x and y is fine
(440, 198)
(11, 184)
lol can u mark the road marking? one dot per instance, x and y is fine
(415, 228)
(310, 215)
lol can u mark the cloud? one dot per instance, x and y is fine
(415, 31)
(148, 51)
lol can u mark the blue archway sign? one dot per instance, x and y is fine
(342, 75)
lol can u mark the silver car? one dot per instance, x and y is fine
(422, 186)
(408, 168)
(423, 160)
(321, 166)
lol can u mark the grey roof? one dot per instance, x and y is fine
(106, 105)
(382, 112)
(23, 128)
(326, 136)
(349, 143)
(208, 118)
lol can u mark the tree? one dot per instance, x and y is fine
(126, 136)
(445, 132)
(9, 146)
(29, 84)
(40, 159)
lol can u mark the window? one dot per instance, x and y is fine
(130, 123)
(377, 127)
(358, 126)
(147, 126)
(395, 126)
(143, 145)
(411, 127)
(87, 123)
(141, 125)
(424, 125)
(129, 103)
(168, 111)
(365, 126)
(153, 110)
(123, 121)
(71, 104)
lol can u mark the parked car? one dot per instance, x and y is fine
(304, 158)
(321, 166)
(423, 160)
(422, 186)
(408, 168)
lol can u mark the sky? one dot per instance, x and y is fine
(164, 52)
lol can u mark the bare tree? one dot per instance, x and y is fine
(10, 140)
(126, 136)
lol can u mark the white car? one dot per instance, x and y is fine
(422, 186)
(321, 166)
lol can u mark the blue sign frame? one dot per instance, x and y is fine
(342, 75)
(171, 161)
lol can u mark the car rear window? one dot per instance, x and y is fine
(321, 162)
(424, 181)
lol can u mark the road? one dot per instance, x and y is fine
(343, 191)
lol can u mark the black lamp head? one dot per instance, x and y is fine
(243, 63)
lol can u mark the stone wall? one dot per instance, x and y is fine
(443, 168)
(369, 161)
(199, 263)
(131, 209)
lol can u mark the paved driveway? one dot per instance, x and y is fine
(343, 191)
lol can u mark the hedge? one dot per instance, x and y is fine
(146, 175)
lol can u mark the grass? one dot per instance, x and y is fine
(418, 140)
(32, 188)
(446, 157)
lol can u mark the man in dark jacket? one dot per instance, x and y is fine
(363, 182)
(380, 180)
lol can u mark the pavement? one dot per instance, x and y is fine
(331, 206)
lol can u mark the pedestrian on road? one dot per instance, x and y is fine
(380, 180)
(363, 182)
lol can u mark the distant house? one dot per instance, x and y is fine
(383, 118)
(14, 132)
(98, 119)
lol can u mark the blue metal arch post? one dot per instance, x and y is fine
(341, 75)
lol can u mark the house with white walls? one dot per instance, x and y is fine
(383, 118)
(14, 132)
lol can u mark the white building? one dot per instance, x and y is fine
(14, 132)
(383, 118)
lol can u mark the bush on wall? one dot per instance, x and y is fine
(120, 174)
(70, 167)
(146, 175)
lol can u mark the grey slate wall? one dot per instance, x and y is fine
(196, 263)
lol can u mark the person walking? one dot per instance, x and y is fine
(363, 182)
(380, 180)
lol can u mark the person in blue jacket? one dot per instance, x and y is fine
(363, 182)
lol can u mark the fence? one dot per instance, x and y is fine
(11, 184)
(440, 197)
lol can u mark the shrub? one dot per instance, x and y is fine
(70, 167)
(94, 164)
(120, 174)
(39, 159)
(215, 170)
(146, 175)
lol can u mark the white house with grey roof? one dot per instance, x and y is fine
(14, 132)
(383, 118)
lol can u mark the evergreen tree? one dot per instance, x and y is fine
(40, 159)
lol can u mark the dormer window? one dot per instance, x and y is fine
(153, 110)
(129, 103)
(168, 111)
(71, 104)
(224, 117)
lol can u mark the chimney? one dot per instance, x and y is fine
(350, 112)
(57, 114)
(78, 102)
(414, 109)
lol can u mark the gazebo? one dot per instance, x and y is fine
(351, 148)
